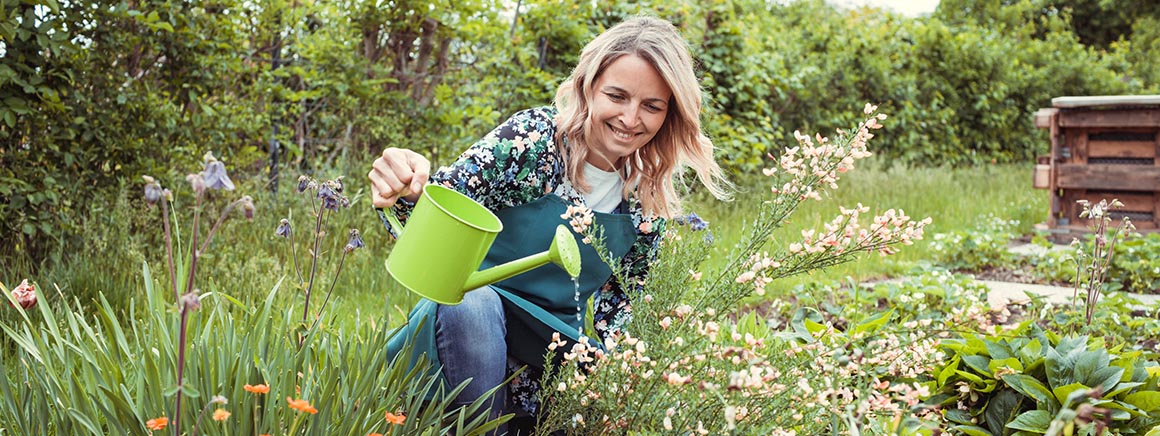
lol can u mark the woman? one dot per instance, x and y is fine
(624, 125)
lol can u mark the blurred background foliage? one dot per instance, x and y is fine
(96, 93)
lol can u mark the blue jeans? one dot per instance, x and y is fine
(470, 339)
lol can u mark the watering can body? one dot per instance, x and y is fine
(446, 239)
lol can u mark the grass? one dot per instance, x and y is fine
(246, 259)
(953, 198)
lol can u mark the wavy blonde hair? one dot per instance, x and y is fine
(677, 144)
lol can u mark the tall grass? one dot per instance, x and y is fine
(246, 258)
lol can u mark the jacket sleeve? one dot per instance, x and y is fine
(612, 308)
(512, 165)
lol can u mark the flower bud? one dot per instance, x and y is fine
(190, 301)
(248, 207)
(303, 183)
(197, 182)
(152, 190)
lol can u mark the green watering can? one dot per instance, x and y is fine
(447, 238)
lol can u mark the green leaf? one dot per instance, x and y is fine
(978, 363)
(1035, 421)
(958, 416)
(1029, 386)
(1009, 362)
(972, 430)
(1067, 393)
(1002, 409)
(873, 323)
(1148, 401)
(948, 370)
(1106, 378)
(1088, 362)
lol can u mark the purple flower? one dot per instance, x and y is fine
(283, 229)
(152, 190)
(215, 176)
(355, 241)
(303, 183)
(330, 199)
(695, 222)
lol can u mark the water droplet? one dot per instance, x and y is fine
(576, 284)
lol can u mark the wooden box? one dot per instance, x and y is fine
(1102, 147)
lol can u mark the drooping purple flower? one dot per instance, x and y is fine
(355, 241)
(215, 176)
(283, 229)
(330, 199)
(152, 190)
(303, 183)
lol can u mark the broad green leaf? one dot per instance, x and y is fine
(1069, 393)
(1088, 362)
(1035, 421)
(998, 350)
(1002, 409)
(970, 377)
(1148, 401)
(948, 370)
(979, 364)
(1106, 378)
(958, 416)
(873, 323)
(1029, 386)
(972, 430)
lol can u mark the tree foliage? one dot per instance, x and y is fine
(97, 92)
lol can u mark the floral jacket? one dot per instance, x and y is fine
(518, 163)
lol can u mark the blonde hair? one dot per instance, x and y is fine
(678, 143)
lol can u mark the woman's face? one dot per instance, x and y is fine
(629, 105)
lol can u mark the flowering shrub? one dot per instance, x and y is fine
(687, 365)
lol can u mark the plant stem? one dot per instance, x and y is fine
(169, 246)
(225, 213)
(180, 371)
(313, 262)
(329, 291)
(193, 245)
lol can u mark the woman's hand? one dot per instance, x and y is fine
(398, 173)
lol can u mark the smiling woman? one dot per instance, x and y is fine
(624, 124)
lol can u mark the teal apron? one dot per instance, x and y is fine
(536, 303)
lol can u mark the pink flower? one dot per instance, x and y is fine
(25, 294)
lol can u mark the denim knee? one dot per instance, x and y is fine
(470, 341)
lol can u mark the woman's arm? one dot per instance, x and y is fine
(514, 164)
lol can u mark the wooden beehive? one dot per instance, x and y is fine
(1102, 147)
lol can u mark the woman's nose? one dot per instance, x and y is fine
(629, 117)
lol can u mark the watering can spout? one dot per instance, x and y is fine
(563, 252)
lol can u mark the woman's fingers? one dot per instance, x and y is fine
(398, 173)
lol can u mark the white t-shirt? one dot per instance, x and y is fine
(606, 188)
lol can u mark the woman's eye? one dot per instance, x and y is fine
(615, 97)
(653, 108)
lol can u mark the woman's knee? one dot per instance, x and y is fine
(479, 317)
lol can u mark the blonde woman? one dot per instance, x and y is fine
(624, 125)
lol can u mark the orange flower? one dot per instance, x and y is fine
(157, 423)
(257, 389)
(374, 434)
(395, 419)
(220, 415)
(301, 406)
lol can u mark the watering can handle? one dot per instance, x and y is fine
(395, 224)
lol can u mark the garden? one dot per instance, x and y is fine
(189, 247)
